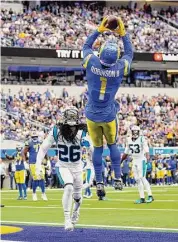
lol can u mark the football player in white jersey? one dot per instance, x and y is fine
(137, 147)
(67, 135)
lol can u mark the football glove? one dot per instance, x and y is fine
(103, 27)
(121, 28)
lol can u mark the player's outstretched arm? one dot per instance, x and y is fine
(128, 50)
(47, 143)
(87, 48)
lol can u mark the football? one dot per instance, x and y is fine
(112, 22)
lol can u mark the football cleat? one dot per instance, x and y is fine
(88, 196)
(34, 197)
(100, 190)
(75, 217)
(118, 184)
(68, 225)
(85, 196)
(150, 199)
(25, 198)
(19, 198)
(139, 201)
(102, 199)
(44, 197)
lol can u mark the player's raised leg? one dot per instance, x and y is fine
(67, 180)
(110, 131)
(96, 134)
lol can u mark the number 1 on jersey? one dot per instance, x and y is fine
(37, 147)
(103, 87)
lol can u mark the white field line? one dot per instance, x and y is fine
(95, 199)
(4, 193)
(11, 241)
(131, 209)
(94, 226)
(131, 189)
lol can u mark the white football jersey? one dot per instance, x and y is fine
(69, 154)
(137, 148)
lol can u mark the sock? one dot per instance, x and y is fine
(24, 189)
(171, 180)
(77, 203)
(141, 188)
(34, 185)
(115, 158)
(86, 191)
(77, 195)
(67, 200)
(20, 189)
(42, 185)
(105, 181)
(147, 186)
(89, 191)
(97, 162)
(161, 180)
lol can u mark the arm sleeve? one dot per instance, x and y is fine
(87, 48)
(128, 53)
(47, 143)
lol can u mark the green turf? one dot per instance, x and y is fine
(118, 210)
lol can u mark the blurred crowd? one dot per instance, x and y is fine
(170, 14)
(161, 170)
(157, 116)
(58, 26)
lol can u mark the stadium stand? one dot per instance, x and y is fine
(57, 26)
(157, 116)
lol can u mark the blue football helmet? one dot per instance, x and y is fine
(109, 53)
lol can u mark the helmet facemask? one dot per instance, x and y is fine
(69, 125)
(135, 132)
(70, 116)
